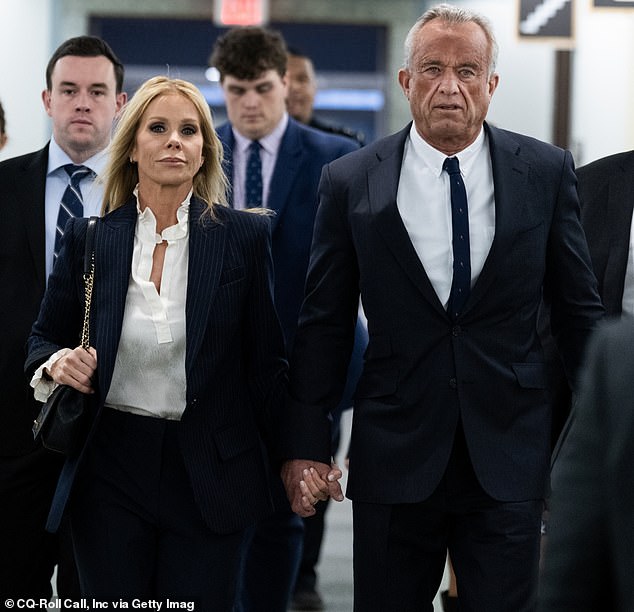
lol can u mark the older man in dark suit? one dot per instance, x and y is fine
(451, 231)
(84, 81)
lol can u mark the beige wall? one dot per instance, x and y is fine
(398, 15)
(602, 121)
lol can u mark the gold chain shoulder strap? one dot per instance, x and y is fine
(89, 278)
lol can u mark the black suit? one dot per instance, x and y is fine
(427, 378)
(28, 473)
(607, 201)
(588, 557)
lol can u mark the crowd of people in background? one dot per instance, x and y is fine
(455, 283)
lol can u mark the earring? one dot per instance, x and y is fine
(131, 160)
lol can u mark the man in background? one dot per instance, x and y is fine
(302, 89)
(607, 204)
(275, 162)
(84, 81)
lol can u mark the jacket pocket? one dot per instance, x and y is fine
(530, 375)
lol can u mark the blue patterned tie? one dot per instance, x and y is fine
(72, 204)
(461, 283)
(253, 184)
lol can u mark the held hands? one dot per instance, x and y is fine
(308, 482)
(75, 369)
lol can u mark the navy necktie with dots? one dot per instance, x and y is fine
(253, 186)
(461, 282)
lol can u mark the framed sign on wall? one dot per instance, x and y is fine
(614, 3)
(546, 19)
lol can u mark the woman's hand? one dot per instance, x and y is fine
(75, 369)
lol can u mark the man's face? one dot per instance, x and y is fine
(255, 106)
(82, 103)
(302, 87)
(448, 84)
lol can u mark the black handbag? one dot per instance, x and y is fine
(63, 421)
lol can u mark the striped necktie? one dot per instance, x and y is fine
(72, 204)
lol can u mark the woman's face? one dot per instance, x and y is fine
(169, 143)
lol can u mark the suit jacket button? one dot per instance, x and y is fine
(456, 330)
(453, 383)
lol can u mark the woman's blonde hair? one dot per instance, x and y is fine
(121, 176)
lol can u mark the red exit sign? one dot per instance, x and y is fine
(241, 12)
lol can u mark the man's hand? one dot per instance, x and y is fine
(308, 482)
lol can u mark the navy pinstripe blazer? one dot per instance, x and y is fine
(235, 362)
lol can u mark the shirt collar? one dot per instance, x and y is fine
(434, 159)
(58, 158)
(270, 143)
(146, 222)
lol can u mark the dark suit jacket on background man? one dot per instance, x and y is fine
(293, 197)
(607, 201)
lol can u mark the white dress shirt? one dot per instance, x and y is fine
(57, 180)
(270, 146)
(424, 203)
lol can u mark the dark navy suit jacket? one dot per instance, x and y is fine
(293, 196)
(235, 359)
(422, 370)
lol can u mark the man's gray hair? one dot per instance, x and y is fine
(454, 16)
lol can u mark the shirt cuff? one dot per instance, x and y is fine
(44, 387)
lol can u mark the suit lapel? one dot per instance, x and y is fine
(383, 180)
(114, 243)
(225, 133)
(207, 240)
(510, 176)
(287, 165)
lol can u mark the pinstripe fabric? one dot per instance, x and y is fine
(235, 361)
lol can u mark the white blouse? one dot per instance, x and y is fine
(149, 372)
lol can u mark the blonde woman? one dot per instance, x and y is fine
(186, 366)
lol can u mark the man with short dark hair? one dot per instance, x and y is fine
(288, 157)
(84, 81)
(302, 91)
